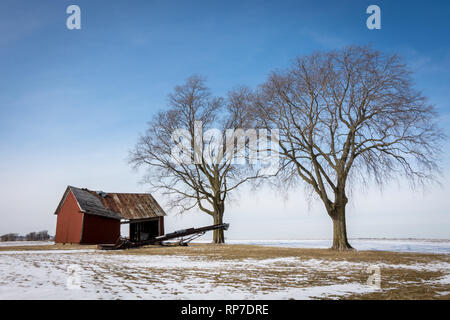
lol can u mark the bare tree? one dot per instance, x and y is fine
(187, 154)
(345, 116)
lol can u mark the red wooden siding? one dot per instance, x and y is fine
(69, 222)
(98, 229)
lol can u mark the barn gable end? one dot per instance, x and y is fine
(70, 220)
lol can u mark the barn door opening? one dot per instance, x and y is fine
(144, 230)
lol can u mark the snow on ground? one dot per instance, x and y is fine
(444, 280)
(419, 246)
(100, 275)
(93, 274)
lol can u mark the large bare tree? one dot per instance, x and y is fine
(345, 116)
(186, 152)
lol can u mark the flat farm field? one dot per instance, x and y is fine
(231, 271)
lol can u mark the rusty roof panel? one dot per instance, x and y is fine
(130, 206)
(133, 205)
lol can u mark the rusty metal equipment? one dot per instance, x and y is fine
(185, 236)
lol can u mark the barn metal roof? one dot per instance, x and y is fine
(92, 204)
(130, 206)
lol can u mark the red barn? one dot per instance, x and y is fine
(93, 217)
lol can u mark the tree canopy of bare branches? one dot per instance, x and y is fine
(346, 115)
(204, 178)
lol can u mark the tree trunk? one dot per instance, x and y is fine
(218, 236)
(340, 241)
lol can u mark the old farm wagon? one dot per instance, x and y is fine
(94, 217)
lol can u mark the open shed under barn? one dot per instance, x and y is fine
(93, 217)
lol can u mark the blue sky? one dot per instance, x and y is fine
(73, 102)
